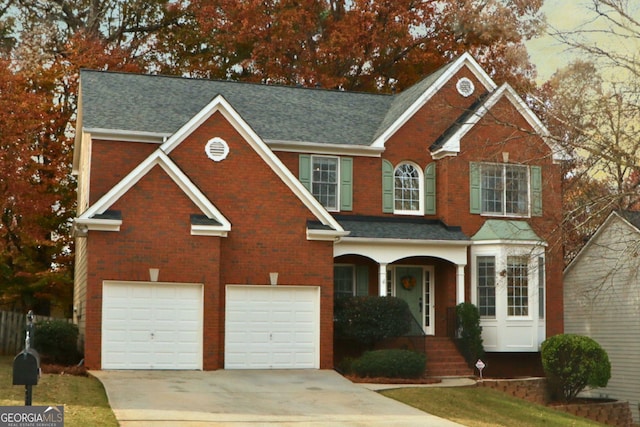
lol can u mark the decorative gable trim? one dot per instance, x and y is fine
(220, 105)
(158, 158)
(465, 60)
(451, 147)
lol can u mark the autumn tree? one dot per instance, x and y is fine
(349, 44)
(593, 106)
(353, 45)
(609, 38)
(39, 78)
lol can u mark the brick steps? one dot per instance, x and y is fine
(444, 359)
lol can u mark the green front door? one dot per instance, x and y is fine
(409, 282)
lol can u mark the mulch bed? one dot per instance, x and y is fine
(48, 368)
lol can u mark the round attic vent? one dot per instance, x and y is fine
(216, 149)
(465, 87)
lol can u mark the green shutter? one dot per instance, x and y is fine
(346, 183)
(362, 280)
(387, 186)
(430, 189)
(474, 188)
(536, 191)
(304, 171)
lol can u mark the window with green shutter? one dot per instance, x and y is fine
(430, 189)
(329, 179)
(387, 186)
(505, 189)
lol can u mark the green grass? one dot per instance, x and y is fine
(85, 402)
(482, 407)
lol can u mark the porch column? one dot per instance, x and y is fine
(460, 284)
(382, 285)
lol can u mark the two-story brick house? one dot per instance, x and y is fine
(217, 221)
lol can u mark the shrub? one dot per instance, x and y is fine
(470, 332)
(390, 364)
(573, 362)
(370, 319)
(57, 341)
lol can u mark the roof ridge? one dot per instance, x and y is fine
(240, 82)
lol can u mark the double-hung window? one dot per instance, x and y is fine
(504, 189)
(329, 179)
(324, 181)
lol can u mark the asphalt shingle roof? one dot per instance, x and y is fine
(114, 101)
(396, 228)
(162, 104)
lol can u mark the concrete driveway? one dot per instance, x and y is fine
(279, 397)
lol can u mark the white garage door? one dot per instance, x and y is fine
(272, 327)
(151, 325)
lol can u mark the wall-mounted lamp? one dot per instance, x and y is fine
(153, 274)
(273, 278)
(505, 157)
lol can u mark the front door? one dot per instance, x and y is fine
(415, 286)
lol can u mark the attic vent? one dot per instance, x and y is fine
(216, 149)
(465, 87)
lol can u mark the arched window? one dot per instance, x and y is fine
(407, 182)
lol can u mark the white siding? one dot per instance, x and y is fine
(602, 300)
(80, 287)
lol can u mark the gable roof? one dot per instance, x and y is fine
(94, 217)
(631, 218)
(160, 105)
(285, 117)
(157, 106)
(161, 157)
(449, 142)
(407, 103)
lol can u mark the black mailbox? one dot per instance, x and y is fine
(26, 368)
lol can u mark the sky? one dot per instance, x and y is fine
(548, 55)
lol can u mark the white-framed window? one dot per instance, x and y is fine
(504, 189)
(517, 286)
(408, 189)
(325, 179)
(486, 281)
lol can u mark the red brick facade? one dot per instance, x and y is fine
(269, 222)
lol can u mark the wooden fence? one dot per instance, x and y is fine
(12, 331)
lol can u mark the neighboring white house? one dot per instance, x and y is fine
(602, 301)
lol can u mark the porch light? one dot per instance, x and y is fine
(153, 274)
(273, 278)
(505, 157)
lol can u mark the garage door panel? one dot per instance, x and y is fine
(151, 326)
(272, 327)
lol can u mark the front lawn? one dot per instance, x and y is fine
(84, 400)
(483, 407)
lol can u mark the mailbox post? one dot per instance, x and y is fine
(26, 365)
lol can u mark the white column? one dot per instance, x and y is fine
(382, 285)
(460, 284)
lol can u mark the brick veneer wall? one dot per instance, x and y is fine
(268, 234)
(534, 390)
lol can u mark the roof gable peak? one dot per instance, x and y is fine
(408, 102)
(89, 218)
